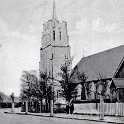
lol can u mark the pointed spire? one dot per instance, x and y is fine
(54, 10)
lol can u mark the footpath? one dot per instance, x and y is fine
(107, 119)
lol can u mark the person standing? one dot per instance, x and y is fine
(71, 108)
(67, 108)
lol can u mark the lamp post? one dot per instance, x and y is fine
(12, 97)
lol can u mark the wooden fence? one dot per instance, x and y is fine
(114, 109)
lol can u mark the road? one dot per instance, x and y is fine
(29, 119)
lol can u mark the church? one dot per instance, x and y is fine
(55, 49)
(106, 66)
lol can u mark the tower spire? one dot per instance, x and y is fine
(54, 10)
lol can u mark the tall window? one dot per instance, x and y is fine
(60, 35)
(53, 35)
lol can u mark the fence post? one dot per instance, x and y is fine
(116, 109)
(123, 109)
(107, 109)
(120, 108)
(110, 108)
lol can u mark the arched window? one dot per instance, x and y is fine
(53, 35)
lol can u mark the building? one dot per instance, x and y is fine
(106, 67)
(55, 49)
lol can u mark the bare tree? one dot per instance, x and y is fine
(81, 78)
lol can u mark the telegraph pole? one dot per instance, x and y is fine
(52, 90)
(102, 101)
(101, 107)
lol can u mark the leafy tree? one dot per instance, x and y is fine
(26, 85)
(43, 84)
(46, 90)
(3, 97)
(30, 85)
(31, 88)
(66, 84)
(34, 89)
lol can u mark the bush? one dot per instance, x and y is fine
(95, 101)
(5, 105)
(9, 105)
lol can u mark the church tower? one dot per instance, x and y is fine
(55, 49)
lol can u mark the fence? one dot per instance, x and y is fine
(114, 109)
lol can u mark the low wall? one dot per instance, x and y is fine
(86, 108)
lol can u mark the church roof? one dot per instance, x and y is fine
(119, 82)
(101, 65)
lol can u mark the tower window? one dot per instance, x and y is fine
(53, 35)
(60, 35)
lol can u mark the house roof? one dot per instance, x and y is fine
(119, 83)
(101, 65)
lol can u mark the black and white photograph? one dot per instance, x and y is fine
(61, 61)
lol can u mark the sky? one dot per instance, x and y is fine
(93, 26)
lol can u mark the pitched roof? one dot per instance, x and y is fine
(101, 65)
(119, 83)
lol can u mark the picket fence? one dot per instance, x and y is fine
(114, 109)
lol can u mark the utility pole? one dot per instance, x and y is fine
(101, 107)
(27, 99)
(52, 90)
(102, 102)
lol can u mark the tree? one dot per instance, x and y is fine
(33, 89)
(3, 97)
(66, 84)
(43, 83)
(82, 79)
(30, 85)
(26, 85)
(46, 90)
(30, 89)
(101, 85)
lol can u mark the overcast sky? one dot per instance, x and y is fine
(93, 26)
